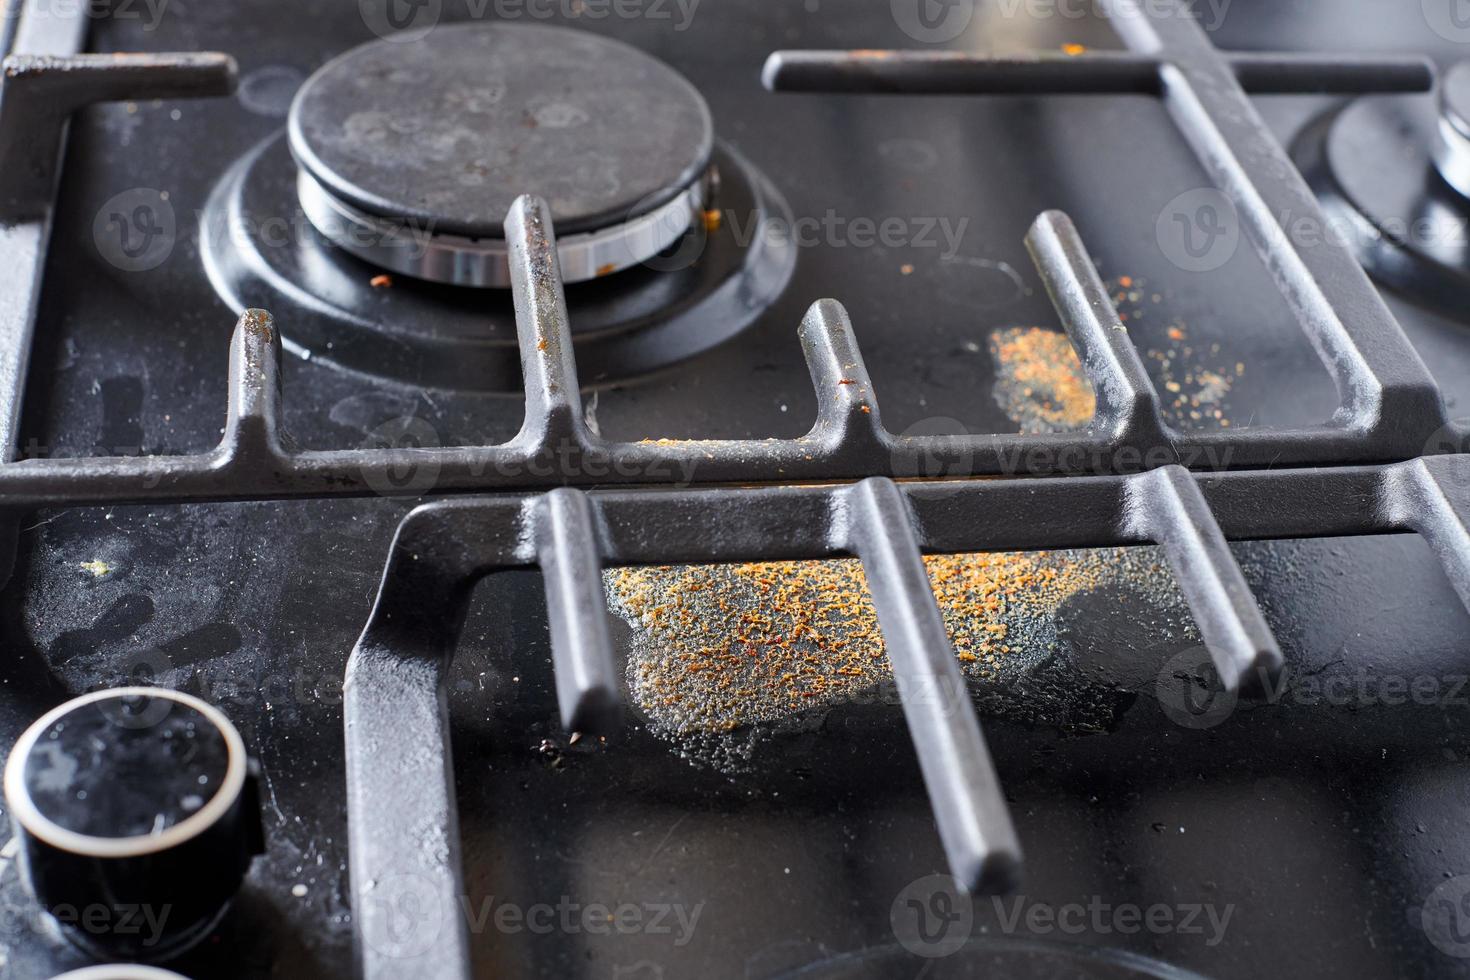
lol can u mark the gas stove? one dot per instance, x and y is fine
(450, 529)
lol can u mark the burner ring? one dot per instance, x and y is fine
(259, 249)
(411, 154)
(1373, 165)
(459, 260)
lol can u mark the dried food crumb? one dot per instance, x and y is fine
(1039, 380)
(717, 647)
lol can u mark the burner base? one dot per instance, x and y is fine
(260, 250)
(1371, 165)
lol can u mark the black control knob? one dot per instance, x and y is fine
(137, 816)
(120, 971)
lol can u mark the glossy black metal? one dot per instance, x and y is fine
(1127, 487)
(1386, 391)
(1083, 73)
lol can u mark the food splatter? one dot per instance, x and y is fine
(1039, 380)
(98, 568)
(720, 649)
(1040, 384)
(716, 647)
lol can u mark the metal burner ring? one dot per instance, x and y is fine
(484, 262)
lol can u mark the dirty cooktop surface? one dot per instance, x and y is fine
(1304, 835)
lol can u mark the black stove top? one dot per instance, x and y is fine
(1313, 827)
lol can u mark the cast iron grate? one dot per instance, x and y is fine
(1131, 478)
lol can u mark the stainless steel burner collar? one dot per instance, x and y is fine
(485, 262)
(1452, 147)
(1452, 157)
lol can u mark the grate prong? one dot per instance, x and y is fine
(554, 419)
(847, 408)
(1167, 507)
(1127, 404)
(567, 548)
(969, 807)
(1433, 498)
(253, 434)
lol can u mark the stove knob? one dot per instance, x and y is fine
(120, 971)
(137, 816)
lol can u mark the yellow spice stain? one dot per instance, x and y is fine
(1040, 382)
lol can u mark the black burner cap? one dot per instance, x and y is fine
(445, 132)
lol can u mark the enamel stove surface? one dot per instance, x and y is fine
(1325, 829)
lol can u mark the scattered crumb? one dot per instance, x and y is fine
(98, 568)
(607, 270)
(712, 220)
(381, 282)
(1194, 379)
(1074, 49)
(1040, 383)
(906, 269)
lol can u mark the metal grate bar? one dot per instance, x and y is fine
(44, 79)
(1089, 73)
(442, 548)
(847, 441)
(1167, 506)
(553, 397)
(1436, 502)
(403, 826)
(1388, 397)
(964, 791)
(848, 424)
(1384, 385)
(39, 93)
(567, 550)
(1127, 404)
